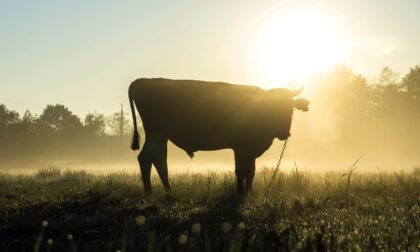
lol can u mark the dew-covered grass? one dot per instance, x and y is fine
(57, 210)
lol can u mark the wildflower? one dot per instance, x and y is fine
(50, 242)
(140, 220)
(241, 225)
(226, 227)
(70, 237)
(44, 223)
(196, 228)
(252, 239)
(182, 239)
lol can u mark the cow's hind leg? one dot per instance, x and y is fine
(145, 161)
(245, 171)
(160, 162)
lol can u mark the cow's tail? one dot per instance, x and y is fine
(135, 142)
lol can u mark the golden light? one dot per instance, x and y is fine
(295, 43)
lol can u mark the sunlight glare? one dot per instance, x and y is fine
(296, 43)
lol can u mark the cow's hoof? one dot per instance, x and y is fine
(148, 193)
(240, 192)
(168, 190)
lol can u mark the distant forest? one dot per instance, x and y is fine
(362, 114)
(58, 134)
(379, 118)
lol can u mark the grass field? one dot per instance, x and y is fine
(57, 210)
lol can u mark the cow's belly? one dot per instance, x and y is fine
(255, 146)
(194, 142)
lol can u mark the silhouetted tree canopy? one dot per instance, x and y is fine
(119, 124)
(7, 117)
(411, 82)
(95, 124)
(61, 120)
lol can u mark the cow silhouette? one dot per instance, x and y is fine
(205, 116)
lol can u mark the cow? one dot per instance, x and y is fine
(205, 116)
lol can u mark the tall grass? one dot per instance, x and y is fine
(301, 211)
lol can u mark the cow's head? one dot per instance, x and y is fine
(287, 103)
(300, 103)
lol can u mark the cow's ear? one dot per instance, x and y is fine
(301, 104)
(295, 92)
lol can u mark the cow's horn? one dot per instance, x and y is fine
(295, 92)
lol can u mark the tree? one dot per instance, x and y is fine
(411, 82)
(28, 123)
(342, 102)
(388, 77)
(28, 117)
(119, 124)
(345, 92)
(9, 132)
(386, 92)
(95, 124)
(61, 120)
(7, 117)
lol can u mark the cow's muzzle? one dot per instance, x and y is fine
(284, 136)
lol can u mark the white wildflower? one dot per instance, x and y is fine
(226, 227)
(241, 225)
(196, 228)
(140, 220)
(182, 239)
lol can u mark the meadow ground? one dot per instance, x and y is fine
(55, 210)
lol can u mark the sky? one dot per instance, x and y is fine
(84, 54)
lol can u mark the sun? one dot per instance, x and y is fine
(295, 43)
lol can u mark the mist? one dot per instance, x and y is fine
(350, 118)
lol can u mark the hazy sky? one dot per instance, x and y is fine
(84, 54)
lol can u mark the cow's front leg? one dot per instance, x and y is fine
(250, 174)
(245, 171)
(239, 182)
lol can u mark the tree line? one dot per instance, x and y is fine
(57, 133)
(380, 116)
